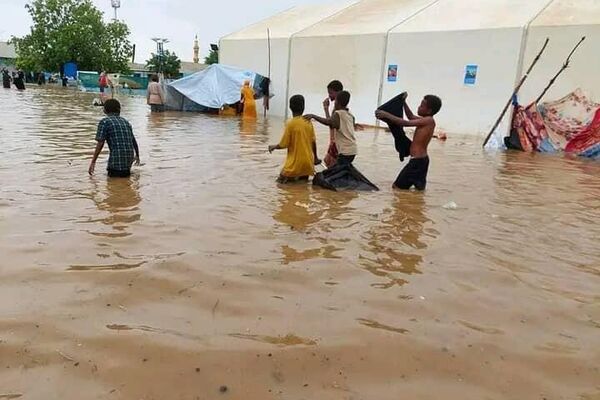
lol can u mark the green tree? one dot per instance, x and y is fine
(212, 58)
(72, 30)
(169, 64)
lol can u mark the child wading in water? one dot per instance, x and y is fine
(300, 141)
(415, 173)
(117, 131)
(333, 89)
(343, 123)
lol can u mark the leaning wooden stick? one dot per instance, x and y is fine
(515, 92)
(565, 66)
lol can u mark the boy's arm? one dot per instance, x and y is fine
(97, 152)
(332, 122)
(284, 143)
(417, 122)
(316, 156)
(137, 151)
(409, 114)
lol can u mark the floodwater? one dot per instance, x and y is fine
(200, 278)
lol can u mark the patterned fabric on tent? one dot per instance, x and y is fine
(571, 124)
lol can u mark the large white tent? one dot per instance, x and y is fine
(435, 49)
(565, 22)
(350, 47)
(248, 48)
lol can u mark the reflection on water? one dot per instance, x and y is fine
(200, 260)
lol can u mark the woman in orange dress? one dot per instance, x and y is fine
(248, 101)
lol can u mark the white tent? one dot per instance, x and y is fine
(468, 54)
(248, 48)
(350, 47)
(565, 22)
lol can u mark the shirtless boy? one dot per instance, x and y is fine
(415, 173)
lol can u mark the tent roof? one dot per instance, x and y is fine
(367, 17)
(459, 15)
(287, 23)
(7, 50)
(570, 12)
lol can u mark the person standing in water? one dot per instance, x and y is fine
(415, 173)
(155, 98)
(248, 101)
(102, 83)
(117, 131)
(19, 80)
(6, 79)
(300, 141)
(333, 89)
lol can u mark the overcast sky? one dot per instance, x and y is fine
(178, 20)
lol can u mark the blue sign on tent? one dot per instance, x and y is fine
(471, 74)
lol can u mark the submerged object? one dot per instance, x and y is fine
(343, 177)
(396, 107)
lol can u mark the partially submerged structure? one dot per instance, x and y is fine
(469, 53)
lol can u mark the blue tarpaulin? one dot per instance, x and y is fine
(216, 86)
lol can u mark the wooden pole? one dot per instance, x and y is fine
(267, 100)
(562, 69)
(509, 102)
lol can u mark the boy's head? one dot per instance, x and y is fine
(430, 106)
(342, 100)
(112, 106)
(333, 89)
(297, 105)
(154, 78)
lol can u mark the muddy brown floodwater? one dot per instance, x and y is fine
(200, 278)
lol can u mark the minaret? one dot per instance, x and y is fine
(196, 51)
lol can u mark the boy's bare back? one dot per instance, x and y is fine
(422, 138)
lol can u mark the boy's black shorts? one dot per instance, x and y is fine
(113, 173)
(415, 173)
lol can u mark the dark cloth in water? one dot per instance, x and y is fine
(6, 83)
(415, 173)
(343, 159)
(402, 143)
(343, 177)
(513, 142)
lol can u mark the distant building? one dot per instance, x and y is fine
(189, 68)
(8, 55)
(196, 51)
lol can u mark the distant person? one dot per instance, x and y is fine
(117, 131)
(155, 97)
(333, 88)
(344, 124)
(102, 83)
(300, 141)
(6, 79)
(415, 173)
(248, 101)
(19, 80)
(65, 81)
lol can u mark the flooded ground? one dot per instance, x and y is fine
(199, 278)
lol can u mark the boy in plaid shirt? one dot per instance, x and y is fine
(118, 133)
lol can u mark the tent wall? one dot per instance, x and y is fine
(565, 22)
(350, 47)
(252, 54)
(248, 48)
(440, 70)
(447, 37)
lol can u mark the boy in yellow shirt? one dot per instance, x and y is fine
(300, 141)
